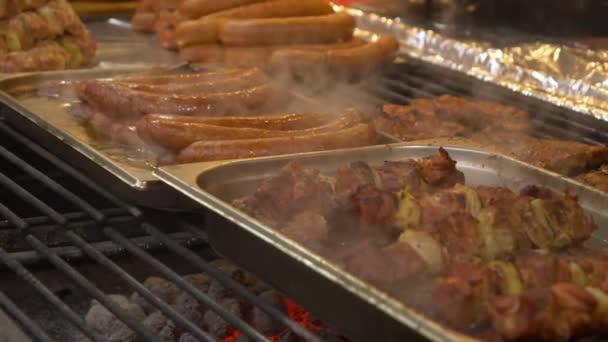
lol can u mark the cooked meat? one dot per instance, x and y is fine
(532, 296)
(308, 229)
(597, 179)
(449, 116)
(564, 157)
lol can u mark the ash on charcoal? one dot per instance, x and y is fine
(189, 307)
(261, 320)
(187, 337)
(215, 324)
(162, 288)
(160, 325)
(217, 291)
(111, 327)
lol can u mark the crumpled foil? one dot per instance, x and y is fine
(568, 76)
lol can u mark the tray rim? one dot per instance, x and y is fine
(390, 306)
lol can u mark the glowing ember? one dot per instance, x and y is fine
(295, 312)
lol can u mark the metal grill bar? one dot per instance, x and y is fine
(183, 284)
(48, 295)
(228, 282)
(30, 326)
(54, 221)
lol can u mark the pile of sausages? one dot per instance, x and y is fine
(211, 116)
(278, 35)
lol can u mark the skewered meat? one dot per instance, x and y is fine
(534, 295)
(597, 179)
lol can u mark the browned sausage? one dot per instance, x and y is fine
(182, 77)
(323, 29)
(356, 60)
(177, 135)
(117, 100)
(250, 78)
(205, 30)
(282, 122)
(120, 132)
(358, 135)
(250, 56)
(143, 21)
(166, 35)
(195, 9)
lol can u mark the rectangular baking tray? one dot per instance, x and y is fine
(360, 310)
(46, 120)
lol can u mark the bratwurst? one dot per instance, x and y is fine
(357, 135)
(177, 135)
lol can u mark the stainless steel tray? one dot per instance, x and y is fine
(358, 309)
(46, 120)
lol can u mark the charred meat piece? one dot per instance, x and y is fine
(449, 116)
(564, 157)
(597, 179)
(531, 296)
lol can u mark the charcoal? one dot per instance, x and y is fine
(288, 336)
(242, 338)
(261, 320)
(159, 324)
(217, 291)
(162, 288)
(187, 337)
(189, 307)
(216, 325)
(107, 324)
(199, 280)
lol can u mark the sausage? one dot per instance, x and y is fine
(357, 60)
(182, 77)
(143, 21)
(166, 35)
(169, 18)
(250, 56)
(283, 122)
(168, 4)
(120, 132)
(206, 29)
(117, 100)
(323, 29)
(197, 8)
(357, 135)
(177, 135)
(248, 79)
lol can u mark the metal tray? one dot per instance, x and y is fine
(312, 281)
(46, 120)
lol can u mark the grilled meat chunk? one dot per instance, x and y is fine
(597, 179)
(449, 116)
(564, 157)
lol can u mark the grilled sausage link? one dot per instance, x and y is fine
(283, 122)
(195, 9)
(358, 135)
(357, 60)
(177, 135)
(206, 29)
(119, 101)
(182, 77)
(329, 28)
(248, 79)
(251, 55)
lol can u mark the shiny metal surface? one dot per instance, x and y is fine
(318, 284)
(571, 76)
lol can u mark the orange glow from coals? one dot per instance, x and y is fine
(294, 311)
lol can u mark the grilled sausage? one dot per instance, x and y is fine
(282, 122)
(177, 135)
(250, 56)
(248, 79)
(358, 135)
(195, 9)
(166, 35)
(206, 29)
(182, 77)
(120, 132)
(143, 22)
(117, 100)
(356, 60)
(323, 29)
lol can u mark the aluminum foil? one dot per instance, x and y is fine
(568, 76)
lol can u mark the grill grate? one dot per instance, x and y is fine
(407, 81)
(54, 214)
